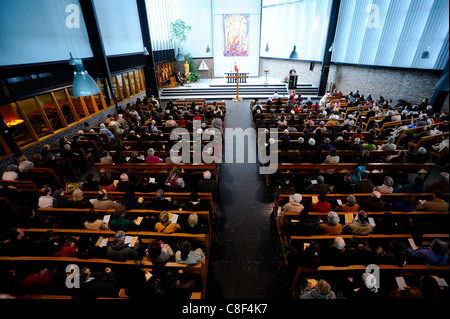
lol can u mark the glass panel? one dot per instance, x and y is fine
(122, 92)
(133, 88)
(136, 81)
(64, 106)
(50, 109)
(116, 90)
(77, 104)
(89, 104)
(16, 124)
(103, 89)
(33, 114)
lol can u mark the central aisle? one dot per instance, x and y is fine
(246, 260)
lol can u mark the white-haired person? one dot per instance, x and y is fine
(208, 185)
(351, 206)
(386, 188)
(294, 205)
(151, 158)
(332, 225)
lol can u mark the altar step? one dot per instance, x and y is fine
(228, 91)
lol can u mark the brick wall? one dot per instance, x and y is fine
(395, 84)
(53, 140)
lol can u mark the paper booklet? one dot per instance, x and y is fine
(400, 282)
(106, 219)
(348, 218)
(412, 243)
(174, 218)
(101, 242)
(315, 199)
(130, 240)
(139, 220)
(339, 201)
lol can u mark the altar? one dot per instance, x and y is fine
(231, 77)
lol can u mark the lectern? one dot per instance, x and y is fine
(293, 81)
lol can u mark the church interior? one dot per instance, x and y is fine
(210, 150)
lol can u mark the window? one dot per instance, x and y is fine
(66, 106)
(79, 104)
(36, 117)
(19, 126)
(52, 111)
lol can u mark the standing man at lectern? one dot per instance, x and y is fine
(293, 79)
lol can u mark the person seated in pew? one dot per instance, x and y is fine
(421, 156)
(131, 202)
(294, 205)
(436, 204)
(356, 146)
(332, 226)
(436, 254)
(125, 184)
(347, 186)
(305, 225)
(442, 184)
(119, 251)
(192, 225)
(406, 205)
(207, 185)
(60, 200)
(322, 206)
(360, 226)
(93, 222)
(321, 291)
(161, 203)
(318, 188)
(102, 202)
(186, 255)
(386, 188)
(373, 204)
(78, 201)
(46, 198)
(338, 254)
(351, 206)
(196, 204)
(417, 186)
(332, 158)
(364, 185)
(120, 222)
(165, 224)
(159, 252)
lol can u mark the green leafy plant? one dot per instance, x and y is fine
(178, 30)
(193, 77)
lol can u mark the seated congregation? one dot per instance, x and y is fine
(352, 189)
(137, 234)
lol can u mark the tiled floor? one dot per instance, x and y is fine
(246, 259)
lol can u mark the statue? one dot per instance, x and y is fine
(186, 70)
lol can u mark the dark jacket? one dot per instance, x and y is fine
(122, 252)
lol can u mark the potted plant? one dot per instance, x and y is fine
(179, 31)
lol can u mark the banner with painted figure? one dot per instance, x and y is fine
(235, 29)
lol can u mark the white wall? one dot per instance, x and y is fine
(246, 64)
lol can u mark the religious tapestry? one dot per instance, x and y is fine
(235, 31)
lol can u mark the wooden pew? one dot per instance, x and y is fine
(200, 269)
(45, 173)
(360, 269)
(160, 168)
(413, 147)
(26, 186)
(313, 170)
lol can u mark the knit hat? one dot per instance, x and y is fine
(312, 142)
(297, 198)
(369, 280)
(57, 193)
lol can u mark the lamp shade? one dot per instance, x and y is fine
(294, 54)
(180, 56)
(84, 84)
